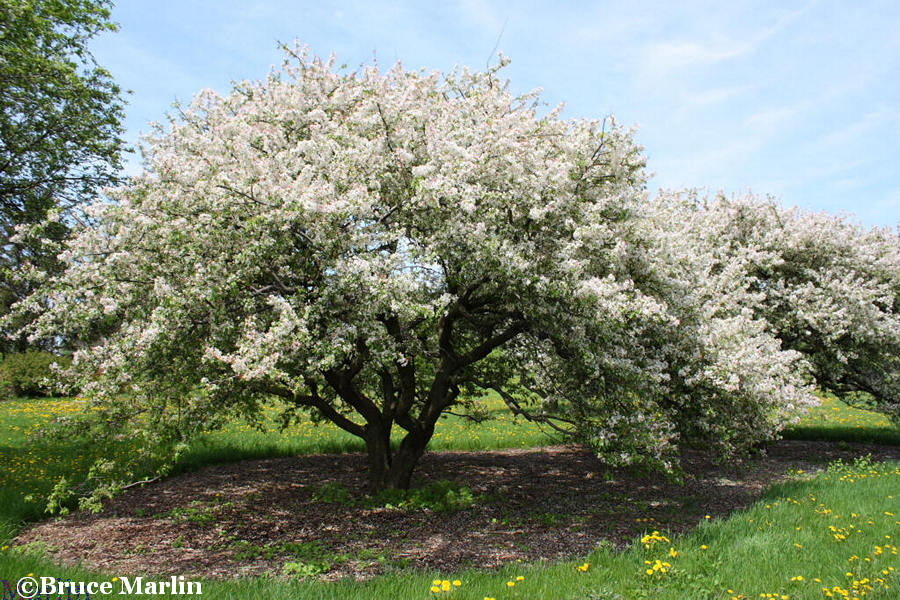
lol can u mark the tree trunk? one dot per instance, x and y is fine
(378, 446)
(393, 470)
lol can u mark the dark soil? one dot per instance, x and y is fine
(251, 518)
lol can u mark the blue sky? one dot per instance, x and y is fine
(798, 100)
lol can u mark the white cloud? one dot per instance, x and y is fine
(668, 56)
(679, 54)
(712, 96)
(768, 120)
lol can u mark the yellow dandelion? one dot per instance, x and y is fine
(510, 584)
(520, 578)
(457, 583)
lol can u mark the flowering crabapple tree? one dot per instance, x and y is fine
(375, 249)
(825, 287)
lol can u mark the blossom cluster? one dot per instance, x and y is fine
(819, 285)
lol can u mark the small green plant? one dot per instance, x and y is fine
(333, 492)
(197, 512)
(302, 550)
(861, 465)
(178, 542)
(439, 496)
(306, 569)
(548, 518)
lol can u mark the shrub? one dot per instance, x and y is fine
(24, 373)
(6, 391)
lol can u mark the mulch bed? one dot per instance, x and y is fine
(537, 504)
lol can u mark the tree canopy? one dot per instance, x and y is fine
(60, 126)
(376, 248)
(825, 286)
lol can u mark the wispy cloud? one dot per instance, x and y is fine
(482, 14)
(770, 119)
(711, 96)
(686, 53)
(852, 132)
(667, 56)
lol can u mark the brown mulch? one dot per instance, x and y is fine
(537, 504)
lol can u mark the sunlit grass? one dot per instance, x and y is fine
(835, 421)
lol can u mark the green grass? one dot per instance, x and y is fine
(835, 421)
(758, 551)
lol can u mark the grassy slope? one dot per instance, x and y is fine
(758, 551)
(835, 421)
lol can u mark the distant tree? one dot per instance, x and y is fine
(376, 249)
(825, 287)
(60, 126)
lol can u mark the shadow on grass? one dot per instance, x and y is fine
(855, 434)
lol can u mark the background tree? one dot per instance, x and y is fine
(824, 286)
(60, 126)
(378, 248)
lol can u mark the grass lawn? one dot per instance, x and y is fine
(835, 421)
(833, 534)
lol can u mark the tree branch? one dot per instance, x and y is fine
(313, 400)
(517, 409)
(485, 348)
